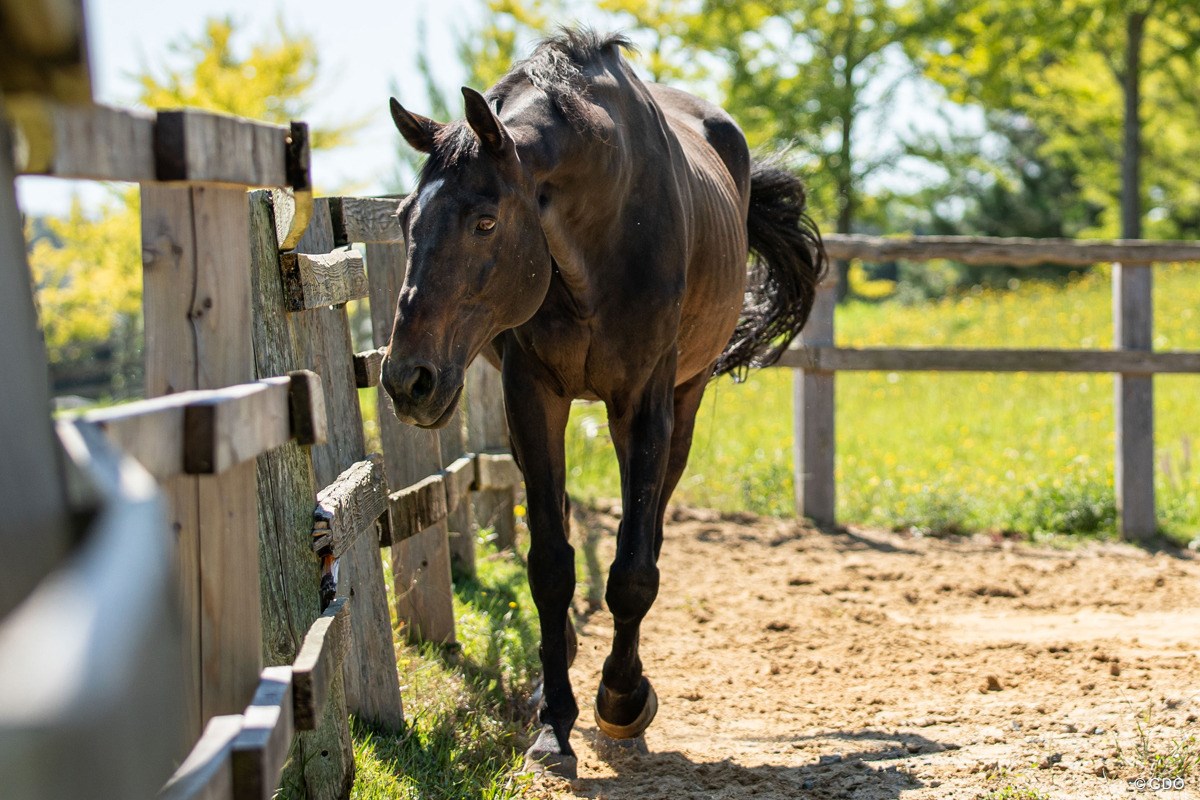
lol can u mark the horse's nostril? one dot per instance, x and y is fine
(419, 382)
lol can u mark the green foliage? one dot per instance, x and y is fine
(87, 269)
(1060, 65)
(1152, 756)
(273, 81)
(1013, 792)
(796, 73)
(87, 275)
(1023, 452)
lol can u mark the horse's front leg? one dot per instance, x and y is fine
(537, 419)
(641, 427)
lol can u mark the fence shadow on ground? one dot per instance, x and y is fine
(671, 774)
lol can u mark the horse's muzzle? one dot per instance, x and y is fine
(422, 395)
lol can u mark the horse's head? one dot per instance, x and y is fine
(477, 261)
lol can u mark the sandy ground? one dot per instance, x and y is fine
(790, 663)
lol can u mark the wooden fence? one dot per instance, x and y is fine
(198, 595)
(816, 359)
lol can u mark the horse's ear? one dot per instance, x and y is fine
(418, 131)
(485, 123)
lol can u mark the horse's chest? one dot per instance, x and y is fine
(561, 348)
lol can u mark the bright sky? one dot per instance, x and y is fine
(364, 45)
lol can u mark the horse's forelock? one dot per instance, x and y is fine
(452, 144)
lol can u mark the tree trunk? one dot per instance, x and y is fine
(845, 191)
(1131, 199)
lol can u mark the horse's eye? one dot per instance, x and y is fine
(485, 225)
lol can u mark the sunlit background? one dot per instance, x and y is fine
(905, 116)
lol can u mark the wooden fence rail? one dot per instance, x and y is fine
(816, 359)
(253, 424)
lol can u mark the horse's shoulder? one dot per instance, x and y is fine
(714, 125)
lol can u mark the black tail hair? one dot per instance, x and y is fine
(788, 261)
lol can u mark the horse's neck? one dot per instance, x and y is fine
(583, 207)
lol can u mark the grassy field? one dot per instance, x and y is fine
(466, 709)
(1012, 452)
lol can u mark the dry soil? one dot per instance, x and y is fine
(791, 663)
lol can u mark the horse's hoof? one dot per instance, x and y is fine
(639, 724)
(545, 755)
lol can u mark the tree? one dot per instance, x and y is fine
(272, 81)
(1094, 76)
(87, 268)
(802, 72)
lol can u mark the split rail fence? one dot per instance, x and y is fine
(816, 359)
(198, 599)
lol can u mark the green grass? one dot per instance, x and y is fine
(465, 709)
(1151, 755)
(944, 452)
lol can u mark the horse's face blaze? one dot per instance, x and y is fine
(477, 265)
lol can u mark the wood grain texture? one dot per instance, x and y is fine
(258, 752)
(80, 692)
(350, 506)
(420, 563)
(220, 319)
(322, 336)
(918, 359)
(206, 774)
(37, 530)
(813, 411)
(319, 662)
(1133, 331)
(225, 428)
(487, 430)
(367, 366)
(1016, 252)
(459, 477)
(417, 507)
(320, 765)
(169, 283)
(496, 471)
(326, 279)
(460, 518)
(87, 142)
(368, 220)
(306, 399)
(208, 431)
(207, 147)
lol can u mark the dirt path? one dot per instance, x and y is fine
(790, 663)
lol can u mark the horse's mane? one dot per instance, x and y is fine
(556, 67)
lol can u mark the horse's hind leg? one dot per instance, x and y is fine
(537, 419)
(642, 433)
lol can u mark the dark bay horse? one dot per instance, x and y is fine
(589, 233)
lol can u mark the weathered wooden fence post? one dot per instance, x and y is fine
(196, 257)
(38, 527)
(813, 412)
(1133, 325)
(321, 336)
(461, 519)
(420, 562)
(487, 431)
(321, 761)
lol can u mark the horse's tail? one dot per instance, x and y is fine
(787, 262)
